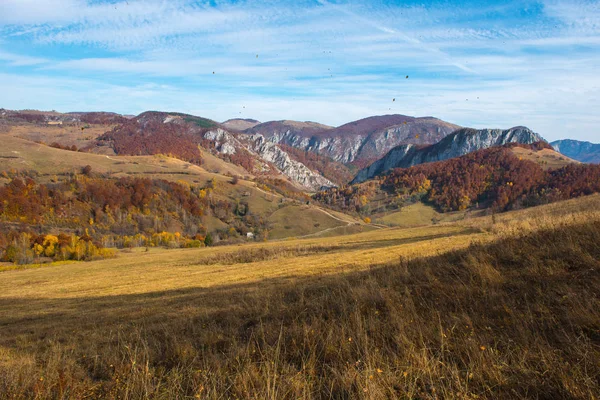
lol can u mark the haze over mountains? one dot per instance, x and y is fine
(310, 155)
(581, 151)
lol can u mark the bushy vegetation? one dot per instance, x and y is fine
(494, 178)
(126, 212)
(27, 248)
(154, 137)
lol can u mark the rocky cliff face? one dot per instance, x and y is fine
(581, 151)
(269, 152)
(295, 170)
(459, 143)
(365, 139)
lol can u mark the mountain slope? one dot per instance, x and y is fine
(358, 141)
(498, 178)
(186, 137)
(581, 151)
(239, 124)
(459, 143)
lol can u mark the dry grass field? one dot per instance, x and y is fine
(548, 159)
(65, 135)
(502, 306)
(418, 214)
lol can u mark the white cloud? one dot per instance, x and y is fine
(18, 60)
(331, 63)
(580, 15)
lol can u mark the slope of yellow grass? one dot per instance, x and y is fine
(470, 309)
(546, 158)
(418, 214)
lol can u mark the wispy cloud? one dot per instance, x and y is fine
(478, 64)
(18, 60)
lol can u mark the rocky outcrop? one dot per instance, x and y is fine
(459, 143)
(581, 151)
(365, 139)
(269, 152)
(295, 170)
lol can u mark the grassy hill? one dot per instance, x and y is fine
(47, 165)
(546, 158)
(79, 135)
(488, 307)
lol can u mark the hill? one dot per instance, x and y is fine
(359, 141)
(485, 308)
(581, 151)
(228, 209)
(187, 137)
(497, 178)
(457, 144)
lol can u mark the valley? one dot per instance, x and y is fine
(208, 322)
(169, 255)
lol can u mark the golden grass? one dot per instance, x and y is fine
(63, 134)
(300, 220)
(473, 309)
(418, 214)
(181, 268)
(20, 154)
(546, 158)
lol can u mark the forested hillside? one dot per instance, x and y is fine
(494, 178)
(122, 212)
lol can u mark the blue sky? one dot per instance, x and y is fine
(474, 63)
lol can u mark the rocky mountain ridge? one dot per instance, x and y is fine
(366, 139)
(459, 143)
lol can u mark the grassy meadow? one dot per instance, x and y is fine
(497, 306)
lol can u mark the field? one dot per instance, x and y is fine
(418, 214)
(548, 159)
(65, 135)
(502, 306)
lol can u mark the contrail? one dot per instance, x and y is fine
(427, 47)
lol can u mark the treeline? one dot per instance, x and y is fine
(151, 135)
(127, 211)
(494, 178)
(26, 248)
(154, 137)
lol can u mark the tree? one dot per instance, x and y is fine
(87, 170)
(208, 240)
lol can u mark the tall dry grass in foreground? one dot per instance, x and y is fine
(517, 318)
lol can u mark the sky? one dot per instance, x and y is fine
(481, 64)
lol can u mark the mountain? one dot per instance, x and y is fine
(239, 124)
(186, 136)
(581, 151)
(504, 177)
(357, 142)
(53, 117)
(459, 143)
